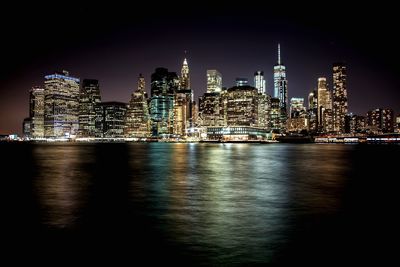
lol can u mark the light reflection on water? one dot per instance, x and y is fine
(223, 202)
(60, 183)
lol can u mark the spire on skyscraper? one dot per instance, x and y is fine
(185, 79)
(279, 54)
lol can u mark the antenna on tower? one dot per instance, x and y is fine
(279, 54)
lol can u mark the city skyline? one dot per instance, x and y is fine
(115, 55)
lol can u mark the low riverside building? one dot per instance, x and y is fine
(237, 133)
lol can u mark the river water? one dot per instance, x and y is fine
(201, 204)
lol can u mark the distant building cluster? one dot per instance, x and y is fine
(66, 107)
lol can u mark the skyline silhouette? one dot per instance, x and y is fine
(114, 44)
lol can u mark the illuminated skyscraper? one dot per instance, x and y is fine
(339, 97)
(313, 111)
(137, 120)
(259, 81)
(325, 121)
(185, 77)
(61, 105)
(164, 84)
(89, 97)
(280, 85)
(183, 99)
(36, 112)
(214, 81)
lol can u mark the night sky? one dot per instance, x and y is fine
(114, 43)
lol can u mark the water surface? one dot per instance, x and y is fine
(202, 204)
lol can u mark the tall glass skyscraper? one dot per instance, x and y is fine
(339, 97)
(259, 82)
(61, 102)
(164, 84)
(89, 97)
(280, 85)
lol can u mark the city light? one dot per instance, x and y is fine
(63, 109)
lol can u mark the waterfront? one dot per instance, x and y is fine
(201, 204)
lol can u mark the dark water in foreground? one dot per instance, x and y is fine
(200, 204)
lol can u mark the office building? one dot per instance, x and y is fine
(61, 105)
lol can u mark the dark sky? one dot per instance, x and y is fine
(114, 43)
